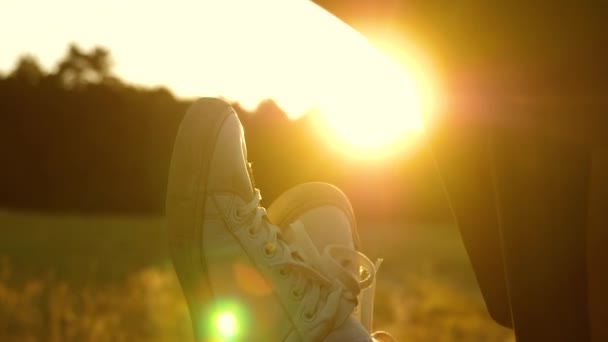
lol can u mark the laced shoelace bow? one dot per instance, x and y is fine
(314, 271)
(309, 282)
(332, 263)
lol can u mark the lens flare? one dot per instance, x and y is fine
(250, 280)
(225, 320)
(226, 324)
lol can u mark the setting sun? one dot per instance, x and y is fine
(291, 51)
(308, 60)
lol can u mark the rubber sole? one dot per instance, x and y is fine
(185, 203)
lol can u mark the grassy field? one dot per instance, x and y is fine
(82, 278)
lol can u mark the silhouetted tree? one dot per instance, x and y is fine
(27, 71)
(80, 139)
(100, 62)
(78, 67)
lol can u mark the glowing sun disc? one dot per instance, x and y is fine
(304, 58)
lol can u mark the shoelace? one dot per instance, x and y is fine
(361, 283)
(382, 336)
(366, 300)
(309, 282)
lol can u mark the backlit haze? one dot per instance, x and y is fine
(289, 50)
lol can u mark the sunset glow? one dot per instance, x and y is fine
(289, 50)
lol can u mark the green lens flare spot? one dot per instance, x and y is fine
(225, 320)
(226, 324)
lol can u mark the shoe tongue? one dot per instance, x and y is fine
(240, 174)
(327, 225)
(229, 167)
(246, 186)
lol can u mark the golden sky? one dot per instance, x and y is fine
(289, 50)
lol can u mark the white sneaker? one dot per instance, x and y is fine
(320, 216)
(241, 279)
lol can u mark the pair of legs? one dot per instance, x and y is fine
(290, 274)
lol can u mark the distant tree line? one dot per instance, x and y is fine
(79, 139)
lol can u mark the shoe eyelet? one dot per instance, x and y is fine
(283, 272)
(236, 216)
(269, 249)
(309, 316)
(296, 294)
(251, 233)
